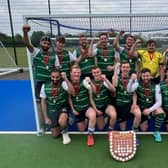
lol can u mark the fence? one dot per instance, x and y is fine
(12, 11)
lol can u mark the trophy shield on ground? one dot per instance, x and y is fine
(122, 145)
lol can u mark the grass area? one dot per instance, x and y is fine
(7, 53)
(41, 152)
(21, 56)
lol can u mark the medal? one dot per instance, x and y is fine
(130, 60)
(47, 67)
(105, 59)
(147, 99)
(86, 60)
(77, 98)
(98, 96)
(54, 101)
(125, 91)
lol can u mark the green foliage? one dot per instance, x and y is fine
(36, 36)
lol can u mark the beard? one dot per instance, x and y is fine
(55, 82)
(84, 45)
(45, 49)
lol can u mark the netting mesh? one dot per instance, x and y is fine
(127, 23)
(6, 60)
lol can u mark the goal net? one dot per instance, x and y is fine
(95, 22)
(7, 63)
(71, 26)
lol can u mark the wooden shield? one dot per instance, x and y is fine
(122, 145)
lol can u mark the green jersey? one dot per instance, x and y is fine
(105, 58)
(56, 97)
(64, 61)
(43, 64)
(81, 98)
(102, 96)
(85, 64)
(122, 96)
(145, 95)
(124, 57)
(164, 92)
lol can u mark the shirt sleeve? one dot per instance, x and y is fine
(42, 92)
(117, 54)
(75, 54)
(65, 86)
(86, 84)
(105, 84)
(35, 52)
(161, 59)
(71, 56)
(94, 50)
(57, 64)
(132, 86)
(158, 99)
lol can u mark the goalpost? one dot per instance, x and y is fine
(90, 24)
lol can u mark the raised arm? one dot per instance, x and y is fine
(116, 44)
(133, 83)
(132, 52)
(108, 83)
(26, 29)
(70, 88)
(115, 75)
(92, 51)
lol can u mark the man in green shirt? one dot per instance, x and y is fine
(80, 104)
(54, 101)
(43, 59)
(149, 101)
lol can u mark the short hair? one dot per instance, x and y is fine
(60, 39)
(55, 70)
(45, 38)
(103, 33)
(129, 35)
(82, 35)
(125, 62)
(95, 67)
(74, 66)
(144, 70)
(151, 41)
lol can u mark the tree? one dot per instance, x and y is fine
(36, 36)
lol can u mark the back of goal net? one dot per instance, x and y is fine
(6, 60)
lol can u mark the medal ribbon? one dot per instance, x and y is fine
(98, 85)
(167, 83)
(105, 53)
(46, 58)
(84, 53)
(147, 90)
(151, 55)
(60, 56)
(76, 88)
(124, 83)
(54, 91)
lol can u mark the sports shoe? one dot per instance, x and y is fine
(157, 136)
(90, 140)
(66, 138)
